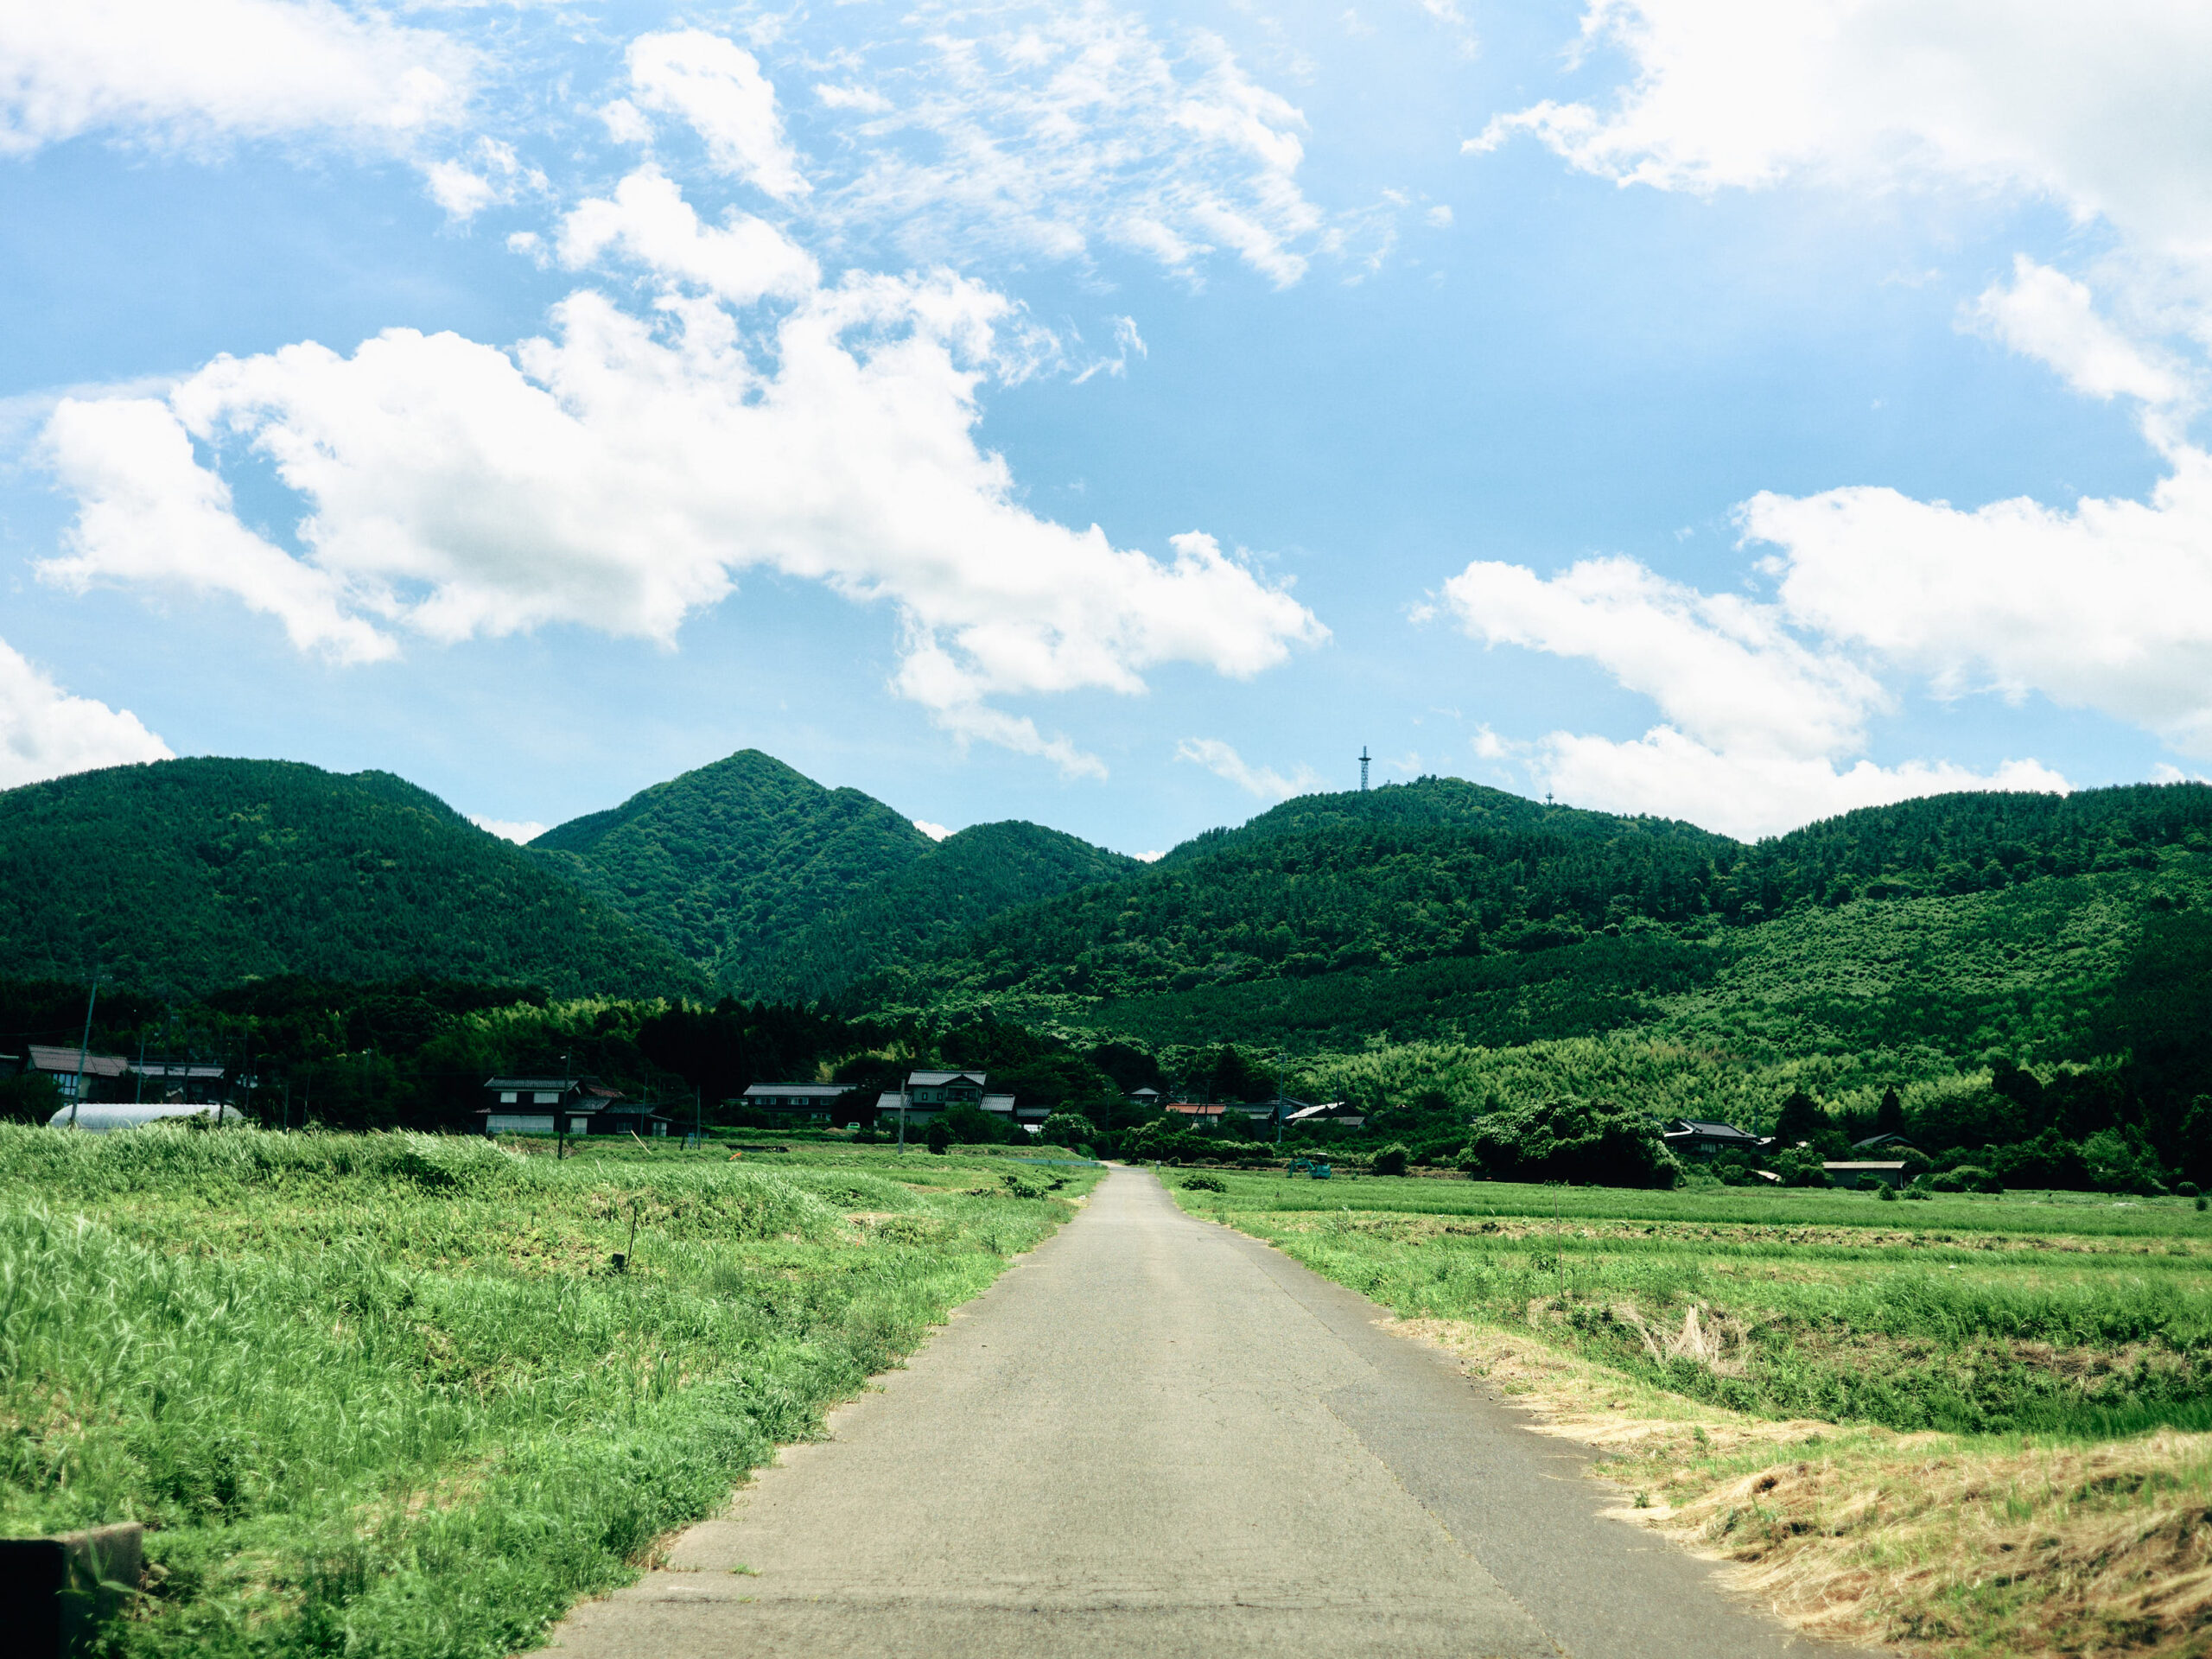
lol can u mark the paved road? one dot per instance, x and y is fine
(1157, 1437)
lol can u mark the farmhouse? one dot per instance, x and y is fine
(1693, 1137)
(1333, 1111)
(106, 1077)
(1880, 1145)
(564, 1106)
(1193, 1114)
(929, 1093)
(813, 1101)
(1860, 1171)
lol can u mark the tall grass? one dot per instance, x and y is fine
(1933, 1328)
(387, 1396)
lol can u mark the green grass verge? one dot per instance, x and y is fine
(387, 1396)
(2055, 1316)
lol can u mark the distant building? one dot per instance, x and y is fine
(565, 1106)
(812, 1102)
(1342, 1112)
(929, 1093)
(194, 1083)
(1860, 1171)
(1196, 1115)
(104, 1077)
(1148, 1098)
(1693, 1137)
(1266, 1114)
(1884, 1143)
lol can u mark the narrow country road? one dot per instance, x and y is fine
(1157, 1437)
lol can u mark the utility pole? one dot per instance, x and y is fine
(1363, 765)
(138, 1083)
(77, 1091)
(698, 1117)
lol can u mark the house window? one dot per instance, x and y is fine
(545, 1099)
(507, 1097)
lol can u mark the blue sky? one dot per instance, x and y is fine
(1112, 416)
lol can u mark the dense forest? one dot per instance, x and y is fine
(2024, 983)
(186, 875)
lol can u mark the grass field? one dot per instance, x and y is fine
(1976, 1424)
(392, 1395)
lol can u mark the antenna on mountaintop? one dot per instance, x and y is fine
(1363, 765)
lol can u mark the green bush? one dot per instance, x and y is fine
(1886, 1193)
(939, 1138)
(1202, 1182)
(1067, 1129)
(1801, 1166)
(1595, 1143)
(1391, 1160)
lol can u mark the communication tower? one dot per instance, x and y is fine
(1363, 765)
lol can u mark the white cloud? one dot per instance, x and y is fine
(618, 476)
(176, 73)
(1747, 795)
(1722, 667)
(1064, 132)
(715, 86)
(652, 224)
(1218, 758)
(45, 733)
(934, 831)
(508, 829)
(1760, 727)
(1150, 858)
(491, 176)
(2107, 606)
(2048, 316)
(1440, 217)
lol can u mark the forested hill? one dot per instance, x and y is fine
(1404, 907)
(780, 887)
(1379, 878)
(930, 902)
(184, 875)
(729, 862)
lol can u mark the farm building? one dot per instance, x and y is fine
(813, 1101)
(564, 1106)
(1691, 1137)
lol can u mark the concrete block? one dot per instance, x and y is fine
(56, 1593)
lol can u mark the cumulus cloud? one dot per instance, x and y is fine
(1066, 132)
(934, 831)
(649, 222)
(2046, 315)
(619, 473)
(1747, 794)
(491, 176)
(508, 829)
(715, 88)
(1725, 669)
(45, 733)
(172, 73)
(1760, 727)
(2107, 605)
(1265, 782)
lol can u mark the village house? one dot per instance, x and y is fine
(1195, 1115)
(1693, 1137)
(1860, 1172)
(927, 1093)
(812, 1102)
(565, 1106)
(1340, 1112)
(103, 1076)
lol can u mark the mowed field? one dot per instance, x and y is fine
(393, 1394)
(1971, 1424)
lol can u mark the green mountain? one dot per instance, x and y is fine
(729, 862)
(933, 902)
(1440, 911)
(184, 875)
(780, 887)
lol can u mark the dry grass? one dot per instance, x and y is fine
(1934, 1544)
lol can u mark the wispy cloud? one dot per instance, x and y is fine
(1264, 782)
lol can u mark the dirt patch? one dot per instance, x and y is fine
(1936, 1544)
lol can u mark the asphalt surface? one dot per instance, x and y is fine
(1154, 1436)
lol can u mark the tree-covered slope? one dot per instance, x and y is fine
(731, 861)
(964, 880)
(1382, 879)
(188, 875)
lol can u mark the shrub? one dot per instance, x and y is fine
(1886, 1193)
(939, 1138)
(1596, 1143)
(1067, 1129)
(1202, 1182)
(1967, 1178)
(1801, 1166)
(1391, 1160)
(2187, 1189)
